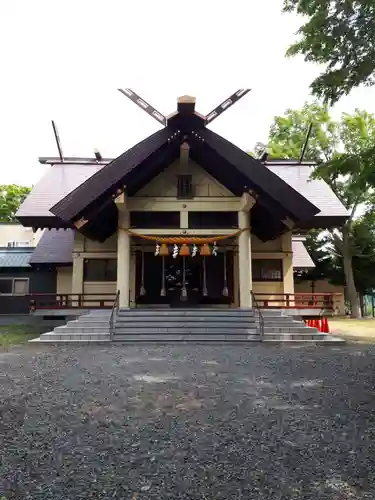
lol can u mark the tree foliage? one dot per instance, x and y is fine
(288, 134)
(341, 35)
(11, 197)
(326, 252)
(345, 154)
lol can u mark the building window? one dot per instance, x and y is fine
(184, 186)
(213, 220)
(13, 244)
(14, 286)
(100, 270)
(267, 270)
(155, 220)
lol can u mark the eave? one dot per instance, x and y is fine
(43, 222)
(109, 181)
(323, 222)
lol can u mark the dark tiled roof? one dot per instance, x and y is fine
(265, 181)
(109, 177)
(58, 181)
(54, 247)
(15, 257)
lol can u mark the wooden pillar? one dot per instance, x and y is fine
(132, 279)
(244, 260)
(250, 260)
(236, 274)
(123, 259)
(77, 279)
(288, 277)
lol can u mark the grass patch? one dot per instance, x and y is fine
(17, 334)
(360, 330)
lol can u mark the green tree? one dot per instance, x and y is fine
(345, 152)
(341, 35)
(288, 134)
(326, 252)
(11, 197)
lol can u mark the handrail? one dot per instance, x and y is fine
(260, 315)
(114, 314)
(45, 301)
(325, 301)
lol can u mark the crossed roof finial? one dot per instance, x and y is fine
(184, 103)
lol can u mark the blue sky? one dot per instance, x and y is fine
(64, 60)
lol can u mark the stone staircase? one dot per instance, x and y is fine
(279, 327)
(91, 327)
(186, 325)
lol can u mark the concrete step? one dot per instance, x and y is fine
(97, 314)
(188, 330)
(282, 319)
(88, 324)
(55, 337)
(91, 319)
(289, 329)
(186, 312)
(325, 340)
(184, 324)
(293, 336)
(184, 320)
(186, 338)
(81, 329)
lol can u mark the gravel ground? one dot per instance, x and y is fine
(187, 422)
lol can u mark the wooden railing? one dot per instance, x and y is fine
(71, 301)
(114, 314)
(40, 301)
(296, 300)
(259, 315)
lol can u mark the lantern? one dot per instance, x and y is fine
(205, 250)
(184, 250)
(163, 251)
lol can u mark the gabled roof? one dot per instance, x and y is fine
(153, 150)
(315, 190)
(57, 182)
(236, 169)
(69, 193)
(54, 247)
(301, 257)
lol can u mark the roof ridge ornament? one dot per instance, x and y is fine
(185, 106)
(212, 115)
(159, 117)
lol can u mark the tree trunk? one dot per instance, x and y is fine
(349, 275)
(362, 304)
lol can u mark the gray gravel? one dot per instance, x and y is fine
(187, 422)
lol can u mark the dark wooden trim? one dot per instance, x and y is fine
(296, 300)
(109, 179)
(39, 301)
(43, 222)
(73, 160)
(266, 182)
(323, 222)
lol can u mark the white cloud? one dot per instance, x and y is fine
(65, 60)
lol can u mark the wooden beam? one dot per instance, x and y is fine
(184, 154)
(121, 201)
(288, 223)
(184, 232)
(80, 223)
(165, 204)
(247, 202)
